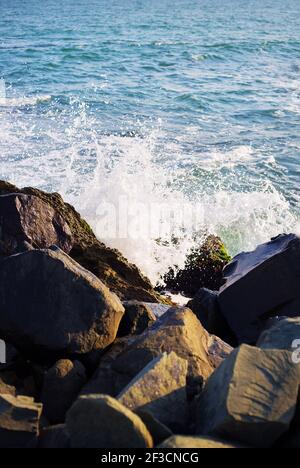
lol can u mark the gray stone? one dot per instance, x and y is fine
(283, 335)
(50, 305)
(251, 397)
(99, 421)
(261, 284)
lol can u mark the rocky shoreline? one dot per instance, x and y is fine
(97, 357)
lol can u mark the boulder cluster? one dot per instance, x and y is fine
(97, 358)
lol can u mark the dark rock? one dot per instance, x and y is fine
(261, 284)
(19, 422)
(158, 431)
(99, 421)
(54, 437)
(160, 390)
(62, 384)
(51, 307)
(107, 264)
(27, 222)
(283, 335)
(205, 306)
(251, 397)
(138, 316)
(203, 269)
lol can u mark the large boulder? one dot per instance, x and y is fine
(160, 389)
(99, 421)
(51, 307)
(285, 334)
(183, 442)
(19, 422)
(261, 284)
(109, 265)
(203, 269)
(62, 384)
(178, 330)
(27, 222)
(251, 397)
(157, 429)
(138, 316)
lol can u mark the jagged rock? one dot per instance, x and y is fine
(282, 335)
(177, 330)
(99, 421)
(205, 306)
(107, 264)
(6, 388)
(62, 384)
(157, 429)
(203, 269)
(160, 389)
(261, 284)
(27, 222)
(105, 379)
(138, 316)
(51, 307)
(19, 422)
(198, 442)
(54, 437)
(251, 397)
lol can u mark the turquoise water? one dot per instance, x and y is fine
(196, 101)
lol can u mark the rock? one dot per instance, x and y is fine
(203, 269)
(99, 421)
(261, 284)
(27, 222)
(159, 389)
(138, 316)
(19, 422)
(251, 397)
(62, 384)
(51, 307)
(5, 388)
(120, 276)
(54, 437)
(206, 307)
(158, 431)
(178, 330)
(291, 440)
(282, 335)
(197, 442)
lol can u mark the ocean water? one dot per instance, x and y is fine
(191, 103)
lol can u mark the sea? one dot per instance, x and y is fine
(127, 106)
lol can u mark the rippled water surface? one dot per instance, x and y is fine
(193, 101)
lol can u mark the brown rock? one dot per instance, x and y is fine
(157, 429)
(27, 222)
(137, 318)
(198, 442)
(62, 384)
(251, 397)
(19, 422)
(160, 390)
(99, 421)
